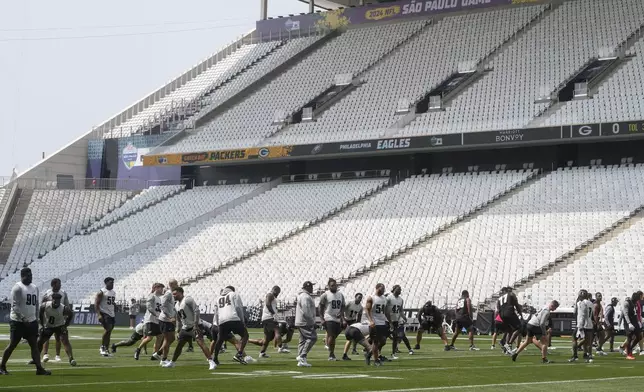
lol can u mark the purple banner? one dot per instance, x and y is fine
(303, 24)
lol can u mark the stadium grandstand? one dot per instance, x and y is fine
(438, 145)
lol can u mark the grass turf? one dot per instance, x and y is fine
(429, 369)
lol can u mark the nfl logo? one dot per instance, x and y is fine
(130, 155)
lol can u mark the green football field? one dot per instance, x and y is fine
(430, 369)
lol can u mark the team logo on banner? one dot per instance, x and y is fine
(264, 152)
(130, 156)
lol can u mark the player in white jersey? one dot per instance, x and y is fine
(104, 305)
(167, 320)
(55, 288)
(137, 334)
(398, 320)
(357, 333)
(23, 324)
(269, 323)
(231, 319)
(378, 318)
(187, 322)
(537, 332)
(332, 312)
(352, 314)
(585, 326)
(151, 321)
(54, 320)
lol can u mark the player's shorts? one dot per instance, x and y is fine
(58, 331)
(333, 328)
(232, 327)
(582, 333)
(214, 332)
(136, 337)
(152, 329)
(269, 329)
(524, 328)
(353, 334)
(186, 335)
(107, 321)
(511, 322)
(466, 323)
(499, 327)
(19, 331)
(133, 317)
(534, 332)
(379, 333)
(166, 327)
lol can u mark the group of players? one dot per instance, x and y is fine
(172, 315)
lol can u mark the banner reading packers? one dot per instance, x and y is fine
(206, 157)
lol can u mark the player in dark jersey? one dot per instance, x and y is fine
(430, 319)
(609, 324)
(510, 311)
(464, 319)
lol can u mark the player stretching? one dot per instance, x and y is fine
(430, 318)
(332, 309)
(166, 322)
(137, 334)
(55, 288)
(352, 315)
(376, 309)
(104, 305)
(356, 334)
(231, 320)
(286, 335)
(151, 320)
(23, 324)
(269, 323)
(54, 320)
(510, 311)
(537, 332)
(187, 322)
(464, 313)
(398, 320)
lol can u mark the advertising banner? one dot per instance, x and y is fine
(511, 136)
(400, 10)
(207, 157)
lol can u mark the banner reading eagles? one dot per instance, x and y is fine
(206, 157)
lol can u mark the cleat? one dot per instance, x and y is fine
(446, 348)
(57, 359)
(621, 351)
(137, 353)
(240, 358)
(417, 347)
(345, 357)
(113, 348)
(589, 360)
(283, 350)
(377, 363)
(249, 359)
(411, 352)
(72, 362)
(493, 347)
(630, 357)
(573, 359)
(451, 347)
(4, 372)
(264, 355)
(354, 352)
(393, 356)
(474, 348)
(514, 357)
(211, 365)
(384, 359)
(332, 358)
(45, 358)
(43, 372)
(545, 361)
(168, 364)
(367, 358)
(156, 356)
(302, 363)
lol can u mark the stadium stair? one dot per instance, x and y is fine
(91, 229)
(317, 221)
(202, 117)
(622, 52)
(6, 221)
(356, 77)
(516, 188)
(82, 229)
(15, 223)
(483, 66)
(573, 255)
